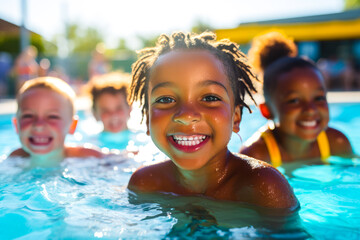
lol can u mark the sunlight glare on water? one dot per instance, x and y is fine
(88, 198)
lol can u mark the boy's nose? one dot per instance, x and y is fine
(310, 107)
(187, 114)
(39, 123)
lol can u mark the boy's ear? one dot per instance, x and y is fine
(265, 111)
(14, 121)
(73, 124)
(237, 119)
(130, 109)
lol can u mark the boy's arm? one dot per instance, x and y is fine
(153, 178)
(272, 190)
(80, 152)
(19, 153)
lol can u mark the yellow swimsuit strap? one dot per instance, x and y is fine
(324, 146)
(274, 152)
(272, 148)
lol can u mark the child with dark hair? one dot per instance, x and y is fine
(109, 93)
(191, 89)
(295, 99)
(110, 106)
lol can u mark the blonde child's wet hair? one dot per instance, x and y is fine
(52, 83)
(112, 83)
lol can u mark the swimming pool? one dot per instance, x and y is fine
(88, 199)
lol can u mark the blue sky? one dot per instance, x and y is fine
(128, 19)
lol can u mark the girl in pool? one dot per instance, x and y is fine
(191, 89)
(295, 99)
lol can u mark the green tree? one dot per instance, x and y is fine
(201, 26)
(148, 41)
(122, 45)
(80, 44)
(82, 40)
(352, 4)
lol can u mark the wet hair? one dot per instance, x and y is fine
(52, 83)
(273, 54)
(112, 83)
(234, 61)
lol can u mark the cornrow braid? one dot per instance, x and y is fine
(234, 61)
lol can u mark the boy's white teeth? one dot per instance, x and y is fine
(308, 123)
(40, 140)
(189, 140)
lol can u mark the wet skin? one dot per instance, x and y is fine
(191, 118)
(113, 111)
(44, 119)
(300, 111)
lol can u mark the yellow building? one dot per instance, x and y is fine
(316, 36)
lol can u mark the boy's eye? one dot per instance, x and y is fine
(320, 98)
(164, 100)
(25, 116)
(211, 98)
(293, 101)
(54, 117)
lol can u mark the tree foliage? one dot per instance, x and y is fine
(201, 26)
(352, 4)
(82, 40)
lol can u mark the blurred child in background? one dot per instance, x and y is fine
(295, 100)
(44, 117)
(109, 94)
(25, 66)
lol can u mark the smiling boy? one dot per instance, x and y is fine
(44, 116)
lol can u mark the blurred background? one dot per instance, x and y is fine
(78, 39)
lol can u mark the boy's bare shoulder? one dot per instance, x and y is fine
(81, 151)
(255, 147)
(19, 153)
(256, 150)
(339, 143)
(269, 188)
(151, 178)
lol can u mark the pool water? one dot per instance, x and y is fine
(88, 198)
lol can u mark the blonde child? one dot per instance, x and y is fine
(295, 100)
(191, 89)
(45, 115)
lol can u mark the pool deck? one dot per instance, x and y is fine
(8, 106)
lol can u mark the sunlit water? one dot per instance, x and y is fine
(88, 198)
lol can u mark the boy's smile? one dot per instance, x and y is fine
(189, 143)
(43, 120)
(191, 108)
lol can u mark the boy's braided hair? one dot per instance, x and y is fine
(238, 72)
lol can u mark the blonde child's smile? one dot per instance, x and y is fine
(42, 120)
(40, 144)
